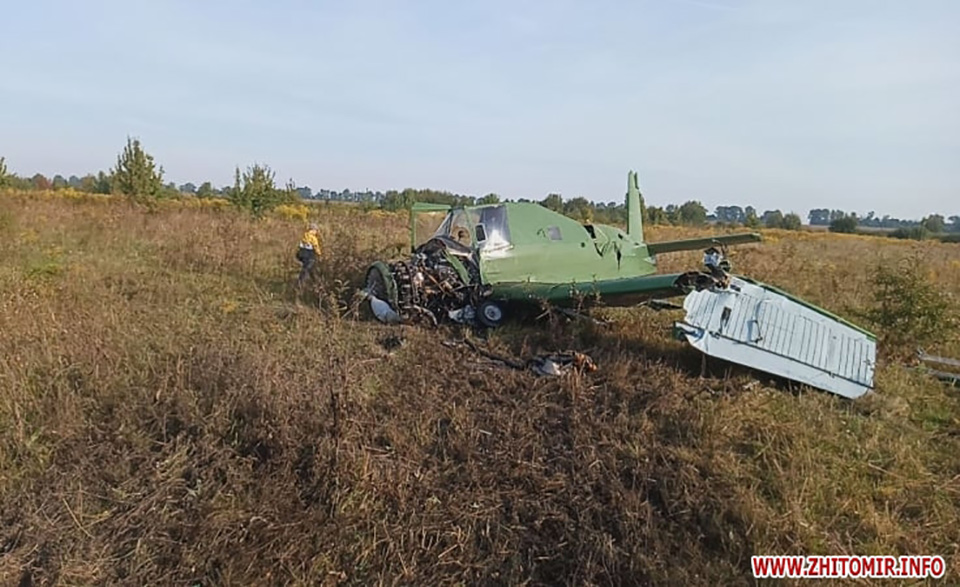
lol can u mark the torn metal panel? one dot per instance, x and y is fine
(383, 311)
(761, 327)
(938, 360)
(946, 362)
(946, 377)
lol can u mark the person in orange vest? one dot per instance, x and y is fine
(308, 253)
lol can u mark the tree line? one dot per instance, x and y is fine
(840, 221)
(137, 176)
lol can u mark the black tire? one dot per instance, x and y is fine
(490, 314)
(375, 283)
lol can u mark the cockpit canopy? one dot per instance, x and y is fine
(483, 228)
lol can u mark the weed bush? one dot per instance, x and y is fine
(255, 190)
(292, 211)
(909, 310)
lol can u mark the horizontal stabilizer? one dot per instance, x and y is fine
(693, 244)
(761, 327)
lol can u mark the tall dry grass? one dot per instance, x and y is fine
(170, 414)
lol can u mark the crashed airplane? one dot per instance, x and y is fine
(483, 261)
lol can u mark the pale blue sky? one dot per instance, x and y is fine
(778, 104)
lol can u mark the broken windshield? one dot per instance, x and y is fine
(426, 225)
(485, 227)
(491, 228)
(456, 226)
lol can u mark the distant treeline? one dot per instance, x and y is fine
(136, 174)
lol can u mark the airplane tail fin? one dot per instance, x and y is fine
(634, 213)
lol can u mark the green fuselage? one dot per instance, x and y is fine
(527, 252)
(556, 258)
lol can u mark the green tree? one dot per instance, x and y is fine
(394, 200)
(819, 217)
(489, 199)
(692, 213)
(909, 309)
(657, 215)
(772, 219)
(553, 202)
(88, 183)
(255, 190)
(136, 175)
(4, 176)
(103, 183)
(578, 208)
(847, 224)
(791, 221)
(205, 190)
(934, 223)
(40, 182)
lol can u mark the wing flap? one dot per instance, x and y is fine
(763, 328)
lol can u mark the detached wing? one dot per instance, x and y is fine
(762, 327)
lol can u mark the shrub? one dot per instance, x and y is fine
(256, 192)
(949, 238)
(908, 309)
(846, 224)
(136, 175)
(917, 233)
(791, 221)
(292, 211)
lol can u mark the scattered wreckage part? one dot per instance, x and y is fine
(552, 364)
(762, 327)
(698, 281)
(383, 311)
(487, 354)
(571, 313)
(926, 358)
(380, 283)
(560, 363)
(464, 315)
(423, 314)
(944, 376)
(380, 287)
(659, 305)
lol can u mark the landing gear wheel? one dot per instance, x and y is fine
(375, 283)
(490, 314)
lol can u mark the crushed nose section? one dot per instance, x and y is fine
(769, 330)
(440, 281)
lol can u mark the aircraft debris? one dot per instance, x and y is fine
(944, 376)
(483, 261)
(759, 326)
(546, 365)
(924, 357)
(392, 343)
(561, 363)
(659, 305)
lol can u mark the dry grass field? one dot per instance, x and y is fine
(171, 414)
